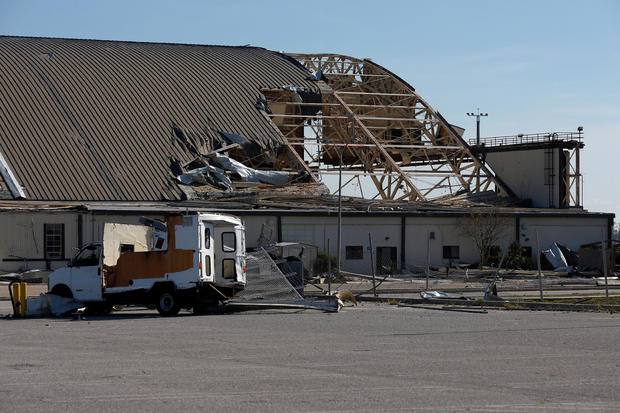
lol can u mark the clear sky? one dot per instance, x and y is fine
(534, 66)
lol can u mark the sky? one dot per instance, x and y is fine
(533, 66)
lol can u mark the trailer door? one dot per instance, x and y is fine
(228, 255)
(206, 251)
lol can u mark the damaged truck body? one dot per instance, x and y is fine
(191, 261)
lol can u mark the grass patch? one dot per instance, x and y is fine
(392, 301)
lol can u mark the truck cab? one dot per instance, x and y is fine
(81, 278)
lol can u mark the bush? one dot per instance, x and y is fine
(516, 260)
(320, 264)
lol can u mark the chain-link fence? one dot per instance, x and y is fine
(265, 281)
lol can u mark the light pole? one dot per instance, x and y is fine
(340, 151)
(477, 115)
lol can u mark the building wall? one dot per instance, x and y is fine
(524, 172)
(22, 243)
(447, 232)
(317, 230)
(570, 232)
(22, 235)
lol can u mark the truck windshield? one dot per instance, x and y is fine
(88, 257)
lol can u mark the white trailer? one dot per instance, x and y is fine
(191, 261)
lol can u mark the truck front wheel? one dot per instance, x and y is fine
(167, 303)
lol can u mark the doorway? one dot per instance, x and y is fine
(386, 260)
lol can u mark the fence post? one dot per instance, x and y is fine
(540, 286)
(604, 254)
(329, 272)
(372, 267)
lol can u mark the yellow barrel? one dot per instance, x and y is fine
(23, 298)
(16, 298)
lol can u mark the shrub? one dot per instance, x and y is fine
(320, 264)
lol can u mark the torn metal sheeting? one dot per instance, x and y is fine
(249, 147)
(441, 295)
(555, 257)
(51, 304)
(248, 174)
(218, 167)
(208, 175)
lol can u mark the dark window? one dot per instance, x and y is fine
(54, 241)
(88, 257)
(228, 242)
(207, 240)
(450, 251)
(207, 266)
(228, 268)
(126, 248)
(354, 252)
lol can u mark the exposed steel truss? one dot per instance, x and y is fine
(387, 133)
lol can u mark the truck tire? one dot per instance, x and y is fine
(167, 303)
(62, 290)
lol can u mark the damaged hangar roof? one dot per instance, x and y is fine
(102, 120)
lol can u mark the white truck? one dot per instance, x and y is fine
(191, 261)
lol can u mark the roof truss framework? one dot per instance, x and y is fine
(387, 133)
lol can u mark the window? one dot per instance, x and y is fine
(126, 248)
(88, 257)
(451, 251)
(354, 252)
(207, 240)
(207, 266)
(229, 241)
(228, 268)
(54, 241)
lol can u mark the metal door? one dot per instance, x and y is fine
(206, 252)
(226, 248)
(86, 283)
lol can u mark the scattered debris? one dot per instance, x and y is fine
(442, 295)
(555, 257)
(51, 304)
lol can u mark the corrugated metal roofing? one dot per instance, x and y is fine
(94, 120)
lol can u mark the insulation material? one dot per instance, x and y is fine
(115, 235)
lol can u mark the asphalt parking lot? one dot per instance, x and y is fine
(368, 358)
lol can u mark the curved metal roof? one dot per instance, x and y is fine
(101, 120)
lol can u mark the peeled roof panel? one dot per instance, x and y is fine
(92, 120)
